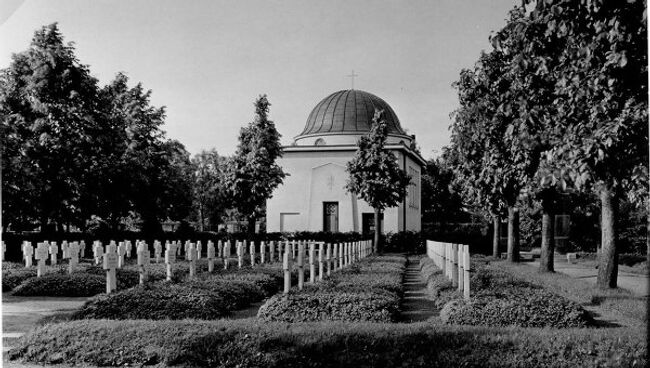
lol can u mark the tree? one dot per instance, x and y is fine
(375, 175)
(441, 200)
(209, 187)
(48, 103)
(491, 175)
(601, 100)
(253, 174)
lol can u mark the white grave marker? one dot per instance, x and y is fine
(252, 252)
(54, 251)
(41, 256)
(143, 261)
(170, 259)
(301, 266)
(191, 256)
(28, 253)
(111, 261)
(121, 251)
(286, 266)
(211, 256)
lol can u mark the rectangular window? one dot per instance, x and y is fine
(290, 221)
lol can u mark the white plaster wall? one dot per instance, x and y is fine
(315, 177)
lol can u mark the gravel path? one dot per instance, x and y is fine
(415, 306)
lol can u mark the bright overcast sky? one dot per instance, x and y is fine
(207, 61)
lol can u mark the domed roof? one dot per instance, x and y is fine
(349, 111)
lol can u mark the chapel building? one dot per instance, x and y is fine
(313, 197)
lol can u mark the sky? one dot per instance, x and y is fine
(207, 61)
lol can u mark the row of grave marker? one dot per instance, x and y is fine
(330, 257)
(338, 255)
(46, 250)
(454, 260)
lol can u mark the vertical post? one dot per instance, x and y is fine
(328, 257)
(143, 260)
(252, 251)
(301, 266)
(321, 267)
(312, 265)
(170, 258)
(210, 255)
(41, 255)
(272, 251)
(461, 274)
(340, 255)
(466, 267)
(191, 256)
(454, 265)
(240, 255)
(28, 253)
(220, 249)
(54, 250)
(226, 255)
(262, 252)
(286, 265)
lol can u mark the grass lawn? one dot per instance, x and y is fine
(251, 343)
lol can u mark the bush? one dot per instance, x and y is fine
(209, 297)
(500, 299)
(355, 306)
(248, 343)
(368, 290)
(156, 301)
(404, 241)
(126, 278)
(13, 277)
(525, 308)
(56, 284)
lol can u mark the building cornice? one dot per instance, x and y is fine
(352, 147)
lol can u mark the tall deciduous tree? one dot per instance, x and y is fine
(253, 174)
(209, 187)
(481, 157)
(47, 104)
(602, 104)
(375, 175)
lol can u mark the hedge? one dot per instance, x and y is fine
(211, 297)
(155, 301)
(524, 308)
(58, 284)
(368, 290)
(500, 299)
(358, 306)
(15, 276)
(246, 343)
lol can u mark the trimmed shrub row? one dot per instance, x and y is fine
(246, 343)
(500, 299)
(212, 297)
(369, 290)
(59, 284)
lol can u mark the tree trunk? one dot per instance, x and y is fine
(378, 245)
(647, 234)
(496, 236)
(513, 234)
(548, 237)
(608, 259)
(251, 225)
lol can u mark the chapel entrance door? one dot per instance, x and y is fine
(331, 216)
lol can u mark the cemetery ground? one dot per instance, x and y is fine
(374, 311)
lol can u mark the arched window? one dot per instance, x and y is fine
(319, 142)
